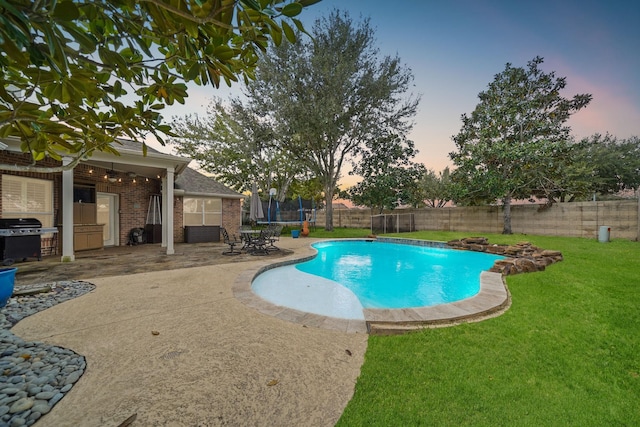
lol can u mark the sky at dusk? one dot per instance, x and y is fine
(455, 49)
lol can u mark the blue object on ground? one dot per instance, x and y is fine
(295, 233)
(7, 280)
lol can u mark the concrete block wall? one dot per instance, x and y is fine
(581, 219)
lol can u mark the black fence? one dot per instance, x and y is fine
(392, 223)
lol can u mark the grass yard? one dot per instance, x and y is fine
(567, 352)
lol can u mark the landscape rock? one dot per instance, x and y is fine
(523, 257)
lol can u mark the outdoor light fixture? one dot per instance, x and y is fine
(112, 175)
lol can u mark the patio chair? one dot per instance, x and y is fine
(231, 242)
(273, 237)
(243, 236)
(257, 245)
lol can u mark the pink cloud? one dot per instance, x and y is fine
(611, 110)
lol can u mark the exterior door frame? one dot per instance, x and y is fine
(114, 218)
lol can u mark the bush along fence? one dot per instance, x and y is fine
(579, 219)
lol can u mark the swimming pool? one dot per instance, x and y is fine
(348, 277)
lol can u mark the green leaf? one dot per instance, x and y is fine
(193, 71)
(288, 32)
(251, 4)
(292, 9)
(86, 40)
(224, 53)
(299, 25)
(66, 11)
(307, 3)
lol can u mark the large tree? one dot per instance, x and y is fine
(334, 98)
(395, 187)
(614, 165)
(389, 176)
(237, 144)
(516, 140)
(436, 189)
(77, 74)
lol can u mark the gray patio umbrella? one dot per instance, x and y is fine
(255, 206)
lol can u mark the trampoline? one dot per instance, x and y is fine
(289, 212)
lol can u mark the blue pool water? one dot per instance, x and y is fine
(347, 276)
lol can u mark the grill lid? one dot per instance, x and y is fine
(19, 223)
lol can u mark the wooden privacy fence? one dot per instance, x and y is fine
(581, 219)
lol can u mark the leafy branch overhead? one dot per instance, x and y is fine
(78, 74)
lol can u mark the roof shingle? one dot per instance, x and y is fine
(193, 182)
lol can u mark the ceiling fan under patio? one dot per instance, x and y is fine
(112, 176)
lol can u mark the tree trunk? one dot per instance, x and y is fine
(506, 205)
(328, 219)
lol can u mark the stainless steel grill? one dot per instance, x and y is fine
(20, 238)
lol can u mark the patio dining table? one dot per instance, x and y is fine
(253, 242)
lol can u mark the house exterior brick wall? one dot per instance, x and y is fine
(133, 197)
(21, 160)
(178, 218)
(133, 193)
(231, 214)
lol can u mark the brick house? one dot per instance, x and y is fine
(99, 202)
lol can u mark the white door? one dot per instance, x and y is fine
(107, 208)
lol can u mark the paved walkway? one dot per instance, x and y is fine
(172, 345)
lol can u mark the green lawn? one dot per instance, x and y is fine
(567, 352)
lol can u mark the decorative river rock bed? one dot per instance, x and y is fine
(34, 376)
(522, 257)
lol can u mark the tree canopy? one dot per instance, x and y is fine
(323, 103)
(237, 145)
(336, 99)
(77, 74)
(389, 176)
(436, 189)
(614, 165)
(516, 142)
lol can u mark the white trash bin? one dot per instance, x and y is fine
(604, 234)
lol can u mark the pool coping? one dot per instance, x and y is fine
(492, 300)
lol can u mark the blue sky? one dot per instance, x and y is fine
(454, 49)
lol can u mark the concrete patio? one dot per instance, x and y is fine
(174, 347)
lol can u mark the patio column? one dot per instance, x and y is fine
(167, 211)
(67, 213)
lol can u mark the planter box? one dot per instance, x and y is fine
(201, 233)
